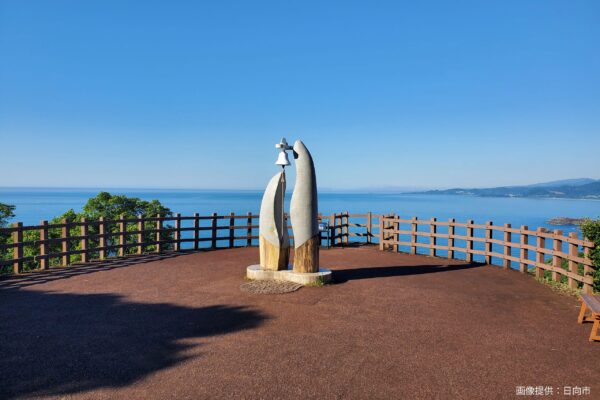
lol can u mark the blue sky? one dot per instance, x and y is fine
(191, 94)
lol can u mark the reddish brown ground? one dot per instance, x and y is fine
(393, 326)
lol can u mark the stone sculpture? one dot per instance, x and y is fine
(304, 212)
(273, 231)
(274, 241)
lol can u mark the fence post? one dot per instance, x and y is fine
(587, 270)
(387, 223)
(44, 245)
(332, 229)
(556, 259)
(159, 227)
(524, 252)
(488, 244)
(342, 230)
(214, 230)
(140, 236)
(17, 237)
(413, 236)
(177, 238)
(539, 257)
(347, 227)
(507, 246)
(249, 230)
(573, 252)
(383, 235)
(469, 242)
(451, 238)
(369, 226)
(84, 240)
(432, 237)
(101, 238)
(65, 244)
(395, 236)
(231, 230)
(340, 218)
(122, 229)
(381, 231)
(196, 231)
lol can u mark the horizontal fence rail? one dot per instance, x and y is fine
(547, 254)
(568, 256)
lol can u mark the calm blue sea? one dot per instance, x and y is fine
(34, 205)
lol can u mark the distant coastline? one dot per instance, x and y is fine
(566, 221)
(582, 188)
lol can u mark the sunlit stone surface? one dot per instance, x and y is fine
(304, 212)
(274, 241)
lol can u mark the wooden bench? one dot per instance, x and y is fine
(593, 303)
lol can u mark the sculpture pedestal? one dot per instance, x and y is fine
(254, 272)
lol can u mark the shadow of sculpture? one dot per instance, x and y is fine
(345, 275)
(57, 344)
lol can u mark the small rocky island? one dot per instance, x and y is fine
(565, 221)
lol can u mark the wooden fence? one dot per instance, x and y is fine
(48, 245)
(573, 264)
(70, 242)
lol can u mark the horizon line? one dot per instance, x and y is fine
(106, 188)
(390, 188)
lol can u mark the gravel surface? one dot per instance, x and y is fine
(269, 287)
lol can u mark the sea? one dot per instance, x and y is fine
(35, 204)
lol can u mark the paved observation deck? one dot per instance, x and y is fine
(391, 326)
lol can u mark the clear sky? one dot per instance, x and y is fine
(193, 94)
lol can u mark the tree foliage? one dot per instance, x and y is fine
(111, 208)
(6, 213)
(591, 230)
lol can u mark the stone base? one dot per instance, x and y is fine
(254, 272)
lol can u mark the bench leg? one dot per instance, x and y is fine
(594, 333)
(581, 317)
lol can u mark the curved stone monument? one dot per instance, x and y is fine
(304, 212)
(274, 241)
(273, 231)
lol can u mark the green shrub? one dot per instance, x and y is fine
(6, 213)
(111, 207)
(591, 230)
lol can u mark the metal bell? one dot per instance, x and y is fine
(283, 159)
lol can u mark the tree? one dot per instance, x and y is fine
(113, 206)
(6, 213)
(106, 205)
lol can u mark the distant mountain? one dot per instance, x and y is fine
(584, 188)
(565, 182)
